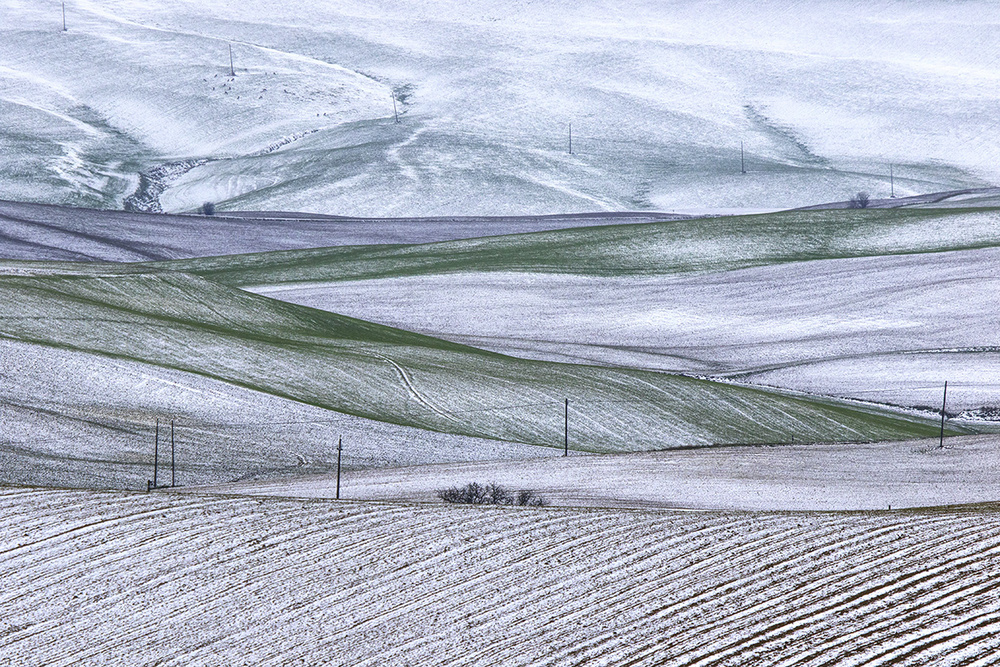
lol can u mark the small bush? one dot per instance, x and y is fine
(489, 494)
(208, 208)
(527, 498)
(859, 200)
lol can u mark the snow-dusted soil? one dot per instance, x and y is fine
(660, 96)
(87, 420)
(98, 578)
(44, 232)
(909, 474)
(192, 325)
(888, 329)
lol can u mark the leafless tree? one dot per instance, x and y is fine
(859, 200)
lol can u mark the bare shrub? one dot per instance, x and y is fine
(859, 200)
(489, 494)
(528, 498)
(497, 495)
(208, 208)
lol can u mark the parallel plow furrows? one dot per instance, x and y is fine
(94, 578)
(871, 585)
(795, 556)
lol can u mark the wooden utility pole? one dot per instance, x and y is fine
(571, 138)
(173, 470)
(232, 70)
(156, 451)
(944, 402)
(743, 165)
(64, 16)
(394, 112)
(892, 187)
(566, 429)
(340, 448)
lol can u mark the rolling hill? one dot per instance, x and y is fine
(141, 579)
(184, 324)
(660, 98)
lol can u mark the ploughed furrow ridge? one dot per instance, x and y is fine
(104, 578)
(878, 633)
(871, 597)
(800, 564)
(506, 568)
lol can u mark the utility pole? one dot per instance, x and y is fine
(232, 71)
(743, 165)
(340, 448)
(173, 470)
(944, 402)
(566, 429)
(64, 16)
(892, 187)
(156, 451)
(394, 112)
(571, 138)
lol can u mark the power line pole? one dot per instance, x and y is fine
(64, 16)
(743, 166)
(173, 471)
(944, 401)
(156, 451)
(340, 448)
(394, 112)
(232, 71)
(571, 138)
(892, 187)
(566, 429)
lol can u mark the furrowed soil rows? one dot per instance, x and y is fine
(95, 578)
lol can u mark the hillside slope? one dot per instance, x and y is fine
(185, 323)
(814, 477)
(63, 233)
(660, 98)
(79, 419)
(877, 305)
(147, 579)
(699, 245)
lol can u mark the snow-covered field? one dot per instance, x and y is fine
(856, 476)
(98, 578)
(45, 232)
(76, 419)
(260, 340)
(186, 325)
(872, 305)
(659, 95)
(889, 329)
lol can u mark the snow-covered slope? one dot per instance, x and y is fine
(73, 418)
(98, 578)
(46, 232)
(878, 305)
(824, 96)
(818, 477)
(187, 325)
(889, 329)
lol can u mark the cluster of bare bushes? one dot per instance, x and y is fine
(489, 494)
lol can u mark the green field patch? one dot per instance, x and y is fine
(187, 323)
(663, 248)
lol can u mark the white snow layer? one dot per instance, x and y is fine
(888, 329)
(867, 476)
(98, 578)
(823, 96)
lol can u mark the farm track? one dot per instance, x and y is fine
(101, 578)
